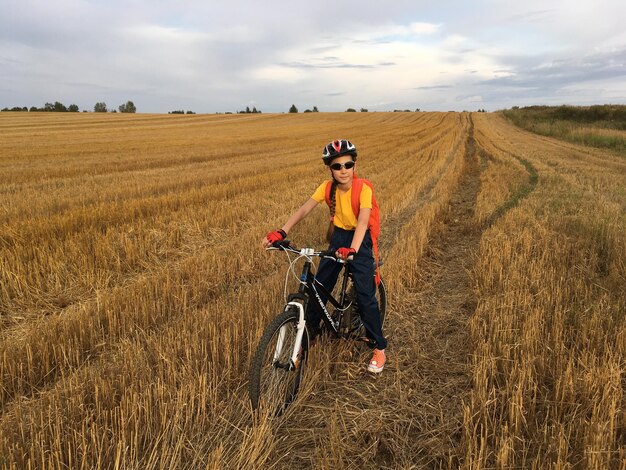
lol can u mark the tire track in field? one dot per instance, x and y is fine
(434, 342)
(410, 414)
(430, 344)
(521, 193)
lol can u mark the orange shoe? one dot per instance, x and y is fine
(377, 362)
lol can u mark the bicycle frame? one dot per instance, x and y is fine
(308, 290)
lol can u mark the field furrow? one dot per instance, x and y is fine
(549, 325)
(133, 290)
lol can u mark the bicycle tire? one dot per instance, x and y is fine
(274, 384)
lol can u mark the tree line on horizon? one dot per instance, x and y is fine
(294, 109)
(129, 107)
(58, 107)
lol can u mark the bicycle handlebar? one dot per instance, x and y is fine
(285, 245)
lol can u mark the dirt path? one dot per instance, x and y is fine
(443, 303)
(412, 414)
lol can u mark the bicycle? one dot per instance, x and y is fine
(278, 365)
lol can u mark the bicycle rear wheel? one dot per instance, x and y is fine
(274, 378)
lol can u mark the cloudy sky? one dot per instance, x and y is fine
(211, 56)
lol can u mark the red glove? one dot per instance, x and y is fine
(276, 236)
(344, 253)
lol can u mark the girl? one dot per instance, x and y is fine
(350, 237)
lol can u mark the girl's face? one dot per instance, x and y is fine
(343, 175)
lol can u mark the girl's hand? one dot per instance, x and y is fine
(345, 253)
(273, 237)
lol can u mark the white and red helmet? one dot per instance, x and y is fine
(337, 148)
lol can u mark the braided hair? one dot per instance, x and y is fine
(332, 206)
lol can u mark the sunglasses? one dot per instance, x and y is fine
(339, 166)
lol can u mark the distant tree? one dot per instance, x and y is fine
(254, 110)
(114, 110)
(363, 110)
(100, 107)
(190, 112)
(247, 111)
(59, 107)
(179, 111)
(73, 108)
(417, 110)
(308, 111)
(315, 109)
(4, 109)
(33, 109)
(350, 110)
(129, 107)
(293, 109)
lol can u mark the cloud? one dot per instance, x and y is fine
(557, 73)
(537, 15)
(434, 87)
(423, 28)
(210, 56)
(469, 99)
(389, 34)
(334, 63)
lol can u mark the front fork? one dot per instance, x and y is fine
(299, 333)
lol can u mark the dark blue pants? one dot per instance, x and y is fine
(363, 270)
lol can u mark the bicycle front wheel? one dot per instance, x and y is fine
(274, 378)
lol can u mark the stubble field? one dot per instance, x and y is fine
(133, 290)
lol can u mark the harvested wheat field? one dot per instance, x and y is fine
(133, 290)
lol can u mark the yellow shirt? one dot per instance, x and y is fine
(344, 217)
